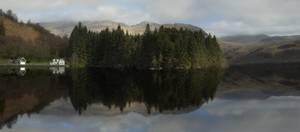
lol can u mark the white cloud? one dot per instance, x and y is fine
(120, 14)
(222, 17)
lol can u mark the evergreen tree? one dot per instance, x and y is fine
(79, 46)
(146, 49)
(11, 15)
(166, 48)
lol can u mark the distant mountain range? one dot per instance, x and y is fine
(65, 28)
(245, 49)
(260, 39)
(245, 39)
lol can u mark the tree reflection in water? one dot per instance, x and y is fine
(158, 90)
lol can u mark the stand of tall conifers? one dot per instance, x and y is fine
(163, 48)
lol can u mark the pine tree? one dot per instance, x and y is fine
(164, 48)
(147, 30)
(79, 46)
(146, 49)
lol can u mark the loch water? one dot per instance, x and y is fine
(245, 98)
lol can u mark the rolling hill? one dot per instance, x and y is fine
(14, 29)
(261, 49)
(28, 40)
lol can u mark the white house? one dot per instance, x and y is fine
(57, 62)
(21, 61)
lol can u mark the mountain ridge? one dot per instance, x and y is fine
(259, 39)
(65, 28)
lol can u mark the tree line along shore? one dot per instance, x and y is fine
(163, 48)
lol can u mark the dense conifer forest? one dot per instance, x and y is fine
(163, 48)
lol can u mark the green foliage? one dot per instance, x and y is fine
(78, 46)
(166, 48)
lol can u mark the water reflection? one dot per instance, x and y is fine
(22, 71)
(248, 98)
(28, 93)
(159, 91)
(261, 81)
(18, 71)
(163, 91)
(57, 70)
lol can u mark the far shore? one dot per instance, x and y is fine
(32, 65)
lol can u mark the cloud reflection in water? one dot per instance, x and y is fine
(275, 114)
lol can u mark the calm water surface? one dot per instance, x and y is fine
(250, 98)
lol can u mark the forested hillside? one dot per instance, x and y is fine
(19, 39)
(163, 48)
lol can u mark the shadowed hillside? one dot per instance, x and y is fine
(261, 49)
(27, 40)
(15, 29)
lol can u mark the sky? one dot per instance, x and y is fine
(220, 17)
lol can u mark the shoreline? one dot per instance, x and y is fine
(32, 65)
